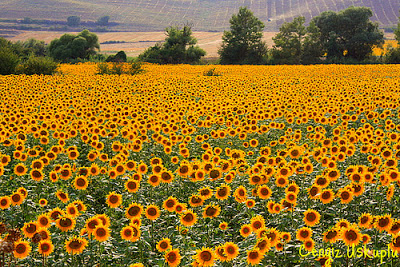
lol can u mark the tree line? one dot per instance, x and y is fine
(347, 36)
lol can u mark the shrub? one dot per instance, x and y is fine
(37, 65)
(9, 60)
(211, 72)
(393, 56)
(119, 68)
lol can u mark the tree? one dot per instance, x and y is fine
(71, 46)
(243, 44)
(119, 57)
(289, 42)
(348, 33)
(103, 21)
(393, 53)
(73, 21)
(312, 46)
(179, 47)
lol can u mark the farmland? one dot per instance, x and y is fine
(259, 165)
(205, 15)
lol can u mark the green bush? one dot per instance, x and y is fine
(37, 65)
(119, 68)
(9, 60)
(393, 56)
(211, 72)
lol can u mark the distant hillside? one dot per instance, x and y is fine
(204, 15)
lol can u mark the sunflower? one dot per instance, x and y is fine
(395, 243)
(45, 247)
(291, 197)
(240, 194)
(311, 217)
(30, 229)
(63, 197)
(56, 213)
(43, 220)
(223, 226)
(292, 187)
(135, 232)
(66, 223)
(21, 249)
(72, 210)
(314, 192)
(205, 192)
(250, 203)
(395, 229)
(365, 220)
(20, 169)
(196, 201)
(132, 186)
(180, 207)
(223, 192)
(36, 175)
(211, 211)
(383, 223)
(101, 233)
(246, 230)
(17, 198)
(5, 202)
(75, 245)
(172, 257)
(170, 203)
(152, 212)
(134, 210)
(164, 244)
(254, 256)
(327, 196)
(263, 244)
(303, 233)
(264, 192)
(351, 236)
(309, 244)
(188, 218)
(205, 256)
(80, 205)
(272, 234)
(257, 222)
(44, 233)
(42, 202)
(220, 253)
(154, 180)
(114, 200)
(81, 182)
(365, 239)
(127, 233)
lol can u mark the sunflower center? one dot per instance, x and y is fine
(133, 211)
(253, 255)
(75, 244)
(20, 249)
(188, 217)
(152, 212)
(113, 199)
(311, 217)
(101, 232)
(164, 245)
(351, 235)
(66, 222)
(205, 255)
(31, 228)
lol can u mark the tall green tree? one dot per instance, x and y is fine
(179, 47)
(312, 50)
(349, 33)
(243, 43)
(70, 46)
(393, 53)
(289, 42)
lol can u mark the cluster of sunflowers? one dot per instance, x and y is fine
(256, 166)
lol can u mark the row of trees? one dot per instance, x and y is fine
(348, 36)
(334, 37)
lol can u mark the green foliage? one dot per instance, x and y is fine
(288, 42)
(103, 21)
(179, 47)
(32, 46)
(312, 49)
(348, 33)
(73, 21)
(393, 56)
(9, 60)
(37, 65)
(70, 46)
(118, 68)
(243, 44)
(119, 57)
(211, 72)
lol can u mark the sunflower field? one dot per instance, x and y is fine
(260, 165)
